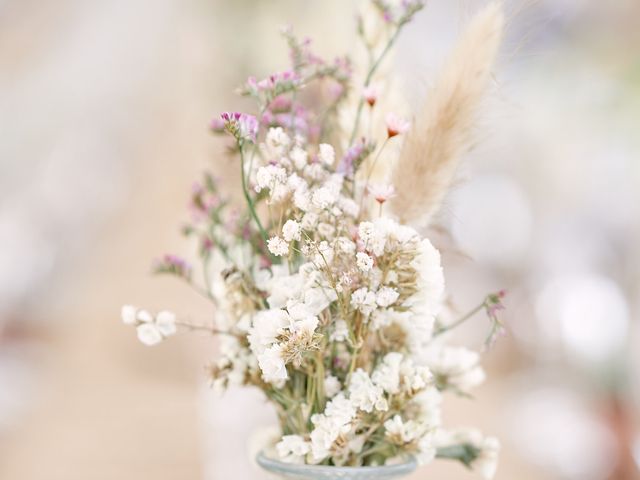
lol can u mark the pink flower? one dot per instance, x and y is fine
(382, 192)
(370, 94)
(241, 125)
(396, 125)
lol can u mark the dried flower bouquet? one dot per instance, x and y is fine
(327, 297)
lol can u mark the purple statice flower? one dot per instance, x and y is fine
(174, 265)
(241, 125)
(280, 104)
(345, 166)
(354, 156)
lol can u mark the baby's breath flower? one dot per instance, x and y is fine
(278, 246)
(291, 230)
(323, 197)
(364, 261)
(299, 157)
(327, 155)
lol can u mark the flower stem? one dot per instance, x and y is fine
(460, 321)
(367, 81)
(245, 191)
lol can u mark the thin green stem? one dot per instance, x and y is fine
(247, 196)
(460, 321)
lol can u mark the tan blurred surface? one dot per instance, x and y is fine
(106, 408)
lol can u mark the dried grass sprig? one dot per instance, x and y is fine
(442, 131)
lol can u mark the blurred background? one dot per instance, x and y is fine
(104, 107)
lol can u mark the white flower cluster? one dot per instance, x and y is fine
(151, 330)
(488, 448)
(336, 430)
(323, 301)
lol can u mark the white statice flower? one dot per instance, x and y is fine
(402, 432)
(415, 378)
(332, 386)
(386, 296)
(128, 314)
(384, 317)
(278, 246)
(304, 326)
(299, 157)
(166, 323)
(233, 364)
(149, 334)
(319, 298)
(326, 154)
(272, 365)
(293, 448)
(364, 300)
(429, 403)
(363, 261)
(427, 302)
(150, 330)
(328, 426)
(144, 316)
(364, 394)
(267, 326)
(455, 367)
(297, 310)
(340, 331)
(291, 230)
(281, 286)
(387, 374)
(486, 461)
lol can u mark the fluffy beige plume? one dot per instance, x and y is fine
(441, 133)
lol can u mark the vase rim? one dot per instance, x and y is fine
(272, 464)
